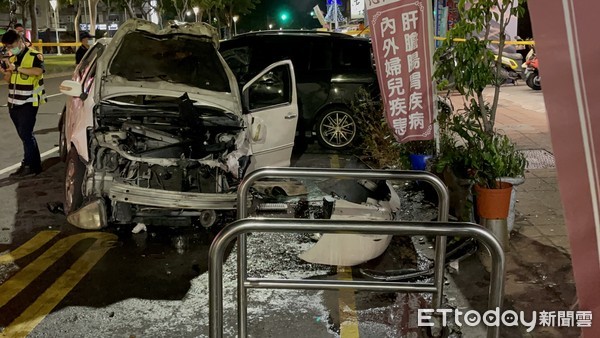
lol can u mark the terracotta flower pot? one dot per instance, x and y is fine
(493, 203)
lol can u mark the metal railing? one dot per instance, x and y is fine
(242, 227)
(242, 212)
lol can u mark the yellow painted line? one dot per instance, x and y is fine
(28, 274)
(29, 247)
(37, 311)
(347, 306)
(346, 300)
(334, 161)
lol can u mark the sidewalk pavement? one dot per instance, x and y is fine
(539, 273)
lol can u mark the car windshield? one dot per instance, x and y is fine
(183, 59)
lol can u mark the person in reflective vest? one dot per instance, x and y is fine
(21, 30)
(24, 71)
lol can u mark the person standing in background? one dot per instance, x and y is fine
(21, 30)
(84, 38)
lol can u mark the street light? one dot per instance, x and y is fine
(235, 19)
(270, 26)
(54, 4)
(196, 11)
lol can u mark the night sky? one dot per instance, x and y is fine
(268, 11)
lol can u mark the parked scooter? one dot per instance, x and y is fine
(511, 66)
(532, 74)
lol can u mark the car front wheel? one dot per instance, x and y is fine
(336, 129)
(74, 174)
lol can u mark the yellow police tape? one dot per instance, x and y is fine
(524, 43)
(54, 44)
(441, 38)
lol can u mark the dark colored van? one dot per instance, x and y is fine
(330, 68)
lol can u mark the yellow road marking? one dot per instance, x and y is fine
(346, 300)
(37, 311)
(334, 161)
(28, 274)
(347, 306)
(29, 247)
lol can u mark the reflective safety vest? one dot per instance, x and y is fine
(24, 88)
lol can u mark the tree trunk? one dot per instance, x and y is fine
(76, 20)
(108, 13)
(129, 10)
(33, 14)
(159, 12)
(23, 16)
(93, 13)
(229, 19)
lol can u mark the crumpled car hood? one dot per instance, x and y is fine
(219, 90)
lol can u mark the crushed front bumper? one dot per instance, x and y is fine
(120, 192)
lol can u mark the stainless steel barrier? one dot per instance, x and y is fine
(242, 212)
(242, 227)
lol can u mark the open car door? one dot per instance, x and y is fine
(271, 100)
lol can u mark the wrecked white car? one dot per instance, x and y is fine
(156, 130)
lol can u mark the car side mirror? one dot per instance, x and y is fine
(71, 88)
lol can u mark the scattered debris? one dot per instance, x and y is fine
(56, 207)
(454, 265)
(138, 228)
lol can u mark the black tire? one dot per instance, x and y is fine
(74, 174)
(533, 81)
(336, 129)
(62, 139)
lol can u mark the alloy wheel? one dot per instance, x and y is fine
(337, 129)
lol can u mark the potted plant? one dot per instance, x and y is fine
(469, 144)
(474, 156)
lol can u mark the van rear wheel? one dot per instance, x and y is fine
(336, 129)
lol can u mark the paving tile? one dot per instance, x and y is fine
(560, 241)
(529, 250)
(549, 218)
(529, 207)
(530, 231)
(552, 230)
(536, 184)
(552, 201)
(544, 173)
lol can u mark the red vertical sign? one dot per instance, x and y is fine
(567, 46)
(402, 46)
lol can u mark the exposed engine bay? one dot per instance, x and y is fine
(163, 144)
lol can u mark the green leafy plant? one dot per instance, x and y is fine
(472, 152)
(377, 139)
